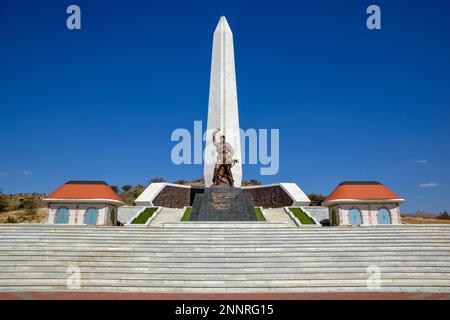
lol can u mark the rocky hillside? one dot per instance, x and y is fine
(22, 208)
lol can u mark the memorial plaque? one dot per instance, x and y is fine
(223, 204)
(222, 200)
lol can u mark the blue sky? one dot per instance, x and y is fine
(351, 104)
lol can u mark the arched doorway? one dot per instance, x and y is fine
(113, 218)
(384, 217)
(61, 216)
(91, 216)
(354, 217)
(334, 218)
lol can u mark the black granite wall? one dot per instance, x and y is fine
(179, 197)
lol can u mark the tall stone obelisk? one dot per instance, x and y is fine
(222, 106)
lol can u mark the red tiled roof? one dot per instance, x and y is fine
(85, 190)
(361, 190)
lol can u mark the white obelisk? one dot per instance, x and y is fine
(222, 106)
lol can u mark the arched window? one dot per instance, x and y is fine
(61, 216)
(354, 217)
(91, 216)
(384, 217)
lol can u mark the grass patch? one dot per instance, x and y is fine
(187, 214)
(259, 215)
(302, 216)
(144, 216)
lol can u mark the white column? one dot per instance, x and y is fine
(51, 215)
(343, 213)
(81, 211)
(72, 213)
(101, 215)
(395, 215)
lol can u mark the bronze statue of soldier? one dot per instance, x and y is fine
(222, 169)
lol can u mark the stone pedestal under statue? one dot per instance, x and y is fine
(223, 204)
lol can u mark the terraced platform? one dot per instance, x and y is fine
(223, 258)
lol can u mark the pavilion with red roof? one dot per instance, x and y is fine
(363, 203)
(83, 203)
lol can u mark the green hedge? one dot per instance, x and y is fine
(144, 216)
(187, 214)
(302, 216)
(259, 215)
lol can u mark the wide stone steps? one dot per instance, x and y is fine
(255, 226)
(255, 238)
(221, 235)
(241, 262)
(158, 268)
(278, 215)
(222, 258)
(167, 215)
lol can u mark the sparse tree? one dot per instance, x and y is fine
(444, 215)
(251, 182)
(316, 199)
(29, 205)
(137, 190)
(127, 187)
(157, 179)
(11, 220)
(195, 182)
(128, 198)
(4, 203)
(115, 188)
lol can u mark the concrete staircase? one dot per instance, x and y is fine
(278, 215)
(222, 258)
(167, 215)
